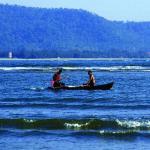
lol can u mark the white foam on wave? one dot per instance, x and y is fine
(37, 88)
(134, 124)
(112, 68)
(29, 120)
(22, 68)
(103, 132)
(75, 125)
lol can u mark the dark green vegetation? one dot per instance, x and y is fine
(35, 32)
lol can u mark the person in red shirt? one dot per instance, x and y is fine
(57, 79)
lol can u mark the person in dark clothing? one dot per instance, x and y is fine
(57, 79)
(91, 81)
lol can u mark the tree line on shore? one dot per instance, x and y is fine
(48, 33)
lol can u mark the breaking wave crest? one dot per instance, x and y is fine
(84, 124)
(51, 69)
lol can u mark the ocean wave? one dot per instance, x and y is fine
(25, 69)
(117, 134)
(105, 133)
(84, 124)
(134, 124)
(45, 99)
(69, 105)
(52, 69)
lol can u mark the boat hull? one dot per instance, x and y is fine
(107, 86)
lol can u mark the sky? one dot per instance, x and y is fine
(120, 10)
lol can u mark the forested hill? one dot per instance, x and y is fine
(42, 33)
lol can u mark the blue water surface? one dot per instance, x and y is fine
(33, 117)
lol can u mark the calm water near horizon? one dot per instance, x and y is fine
(31, 117)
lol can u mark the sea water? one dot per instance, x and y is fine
(32, 117)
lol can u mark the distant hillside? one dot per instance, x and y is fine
(35, 32)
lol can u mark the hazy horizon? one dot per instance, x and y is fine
(134, 10)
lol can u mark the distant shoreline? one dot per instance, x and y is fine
(52, 59)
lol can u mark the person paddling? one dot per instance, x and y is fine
(91, 81)
(57, 78)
